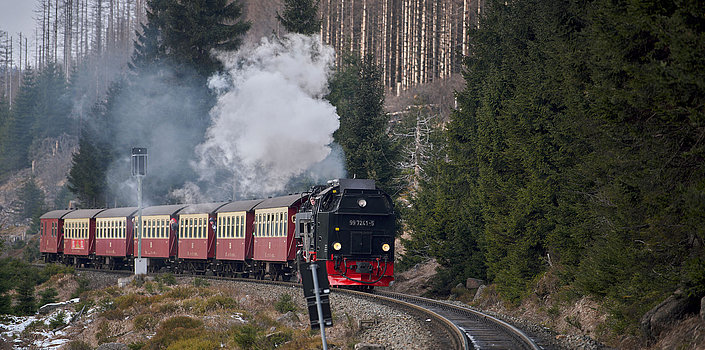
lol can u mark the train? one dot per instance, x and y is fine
(348, 224)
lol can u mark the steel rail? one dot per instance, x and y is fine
(521, 339)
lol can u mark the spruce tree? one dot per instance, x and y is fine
(300, 16)
(192, 29)
(26, 302)
(18, 126)
(358, 95)
(87, 175)
(31, 203)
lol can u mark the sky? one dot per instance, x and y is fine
(17, 16)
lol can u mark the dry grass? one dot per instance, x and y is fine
(184, 316)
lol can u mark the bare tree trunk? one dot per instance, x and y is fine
(363, 29)
(99, 28)
(19, 81)
(68, 30)
(352, 25)
(56, 31)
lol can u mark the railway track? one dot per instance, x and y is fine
(457, 327)
(480, 331)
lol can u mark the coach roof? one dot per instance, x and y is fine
(239, 206)
(82, 214)
(277, 202)
(162, 209)
(202, 208)
(55, 214)
(117, 212)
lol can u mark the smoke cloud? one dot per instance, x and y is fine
(270, 124)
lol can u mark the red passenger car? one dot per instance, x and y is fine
(274, 236)
(114, 230)
(51, 241)
(79, 236)
(234, 247)
(197, 236)
(159, 235)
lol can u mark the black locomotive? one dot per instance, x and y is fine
(349, 224)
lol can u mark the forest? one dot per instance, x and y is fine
(575, 154)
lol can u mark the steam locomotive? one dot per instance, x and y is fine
(348, 223)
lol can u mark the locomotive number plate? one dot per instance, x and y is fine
(357, 222)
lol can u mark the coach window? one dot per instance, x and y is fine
(238, 229)
(275, 225)
(201, 231)
(227, 230)
(231, 230)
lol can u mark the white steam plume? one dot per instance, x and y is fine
(271, 123)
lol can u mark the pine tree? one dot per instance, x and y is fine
(194, 28)
(52, 107)
(31, 203)
(357, 93)
(26, 302)
(18, 126)
(87, 176)
(149, 48)
(300, 16)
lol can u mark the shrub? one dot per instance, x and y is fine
(48, 296)
(174, 329)
(54, 269)
(285, 304)
(198, 343)
(220, 301)
(103, 334)
(165, 278)
(85, 302)
(129, 300)
(79, 345)
(144, 322)
(58, 320)
(83, 286)
(138, 345)
(200, 282)
(246, 336)
(149, 287)
(181, 292)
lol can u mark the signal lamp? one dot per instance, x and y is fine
(385, 247)
(337, 246)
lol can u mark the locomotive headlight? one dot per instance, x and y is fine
(337, 246)
(362, 202)
(385, 247)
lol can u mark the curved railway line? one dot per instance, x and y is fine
(460, 327)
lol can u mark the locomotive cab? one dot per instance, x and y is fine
(351, 226)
